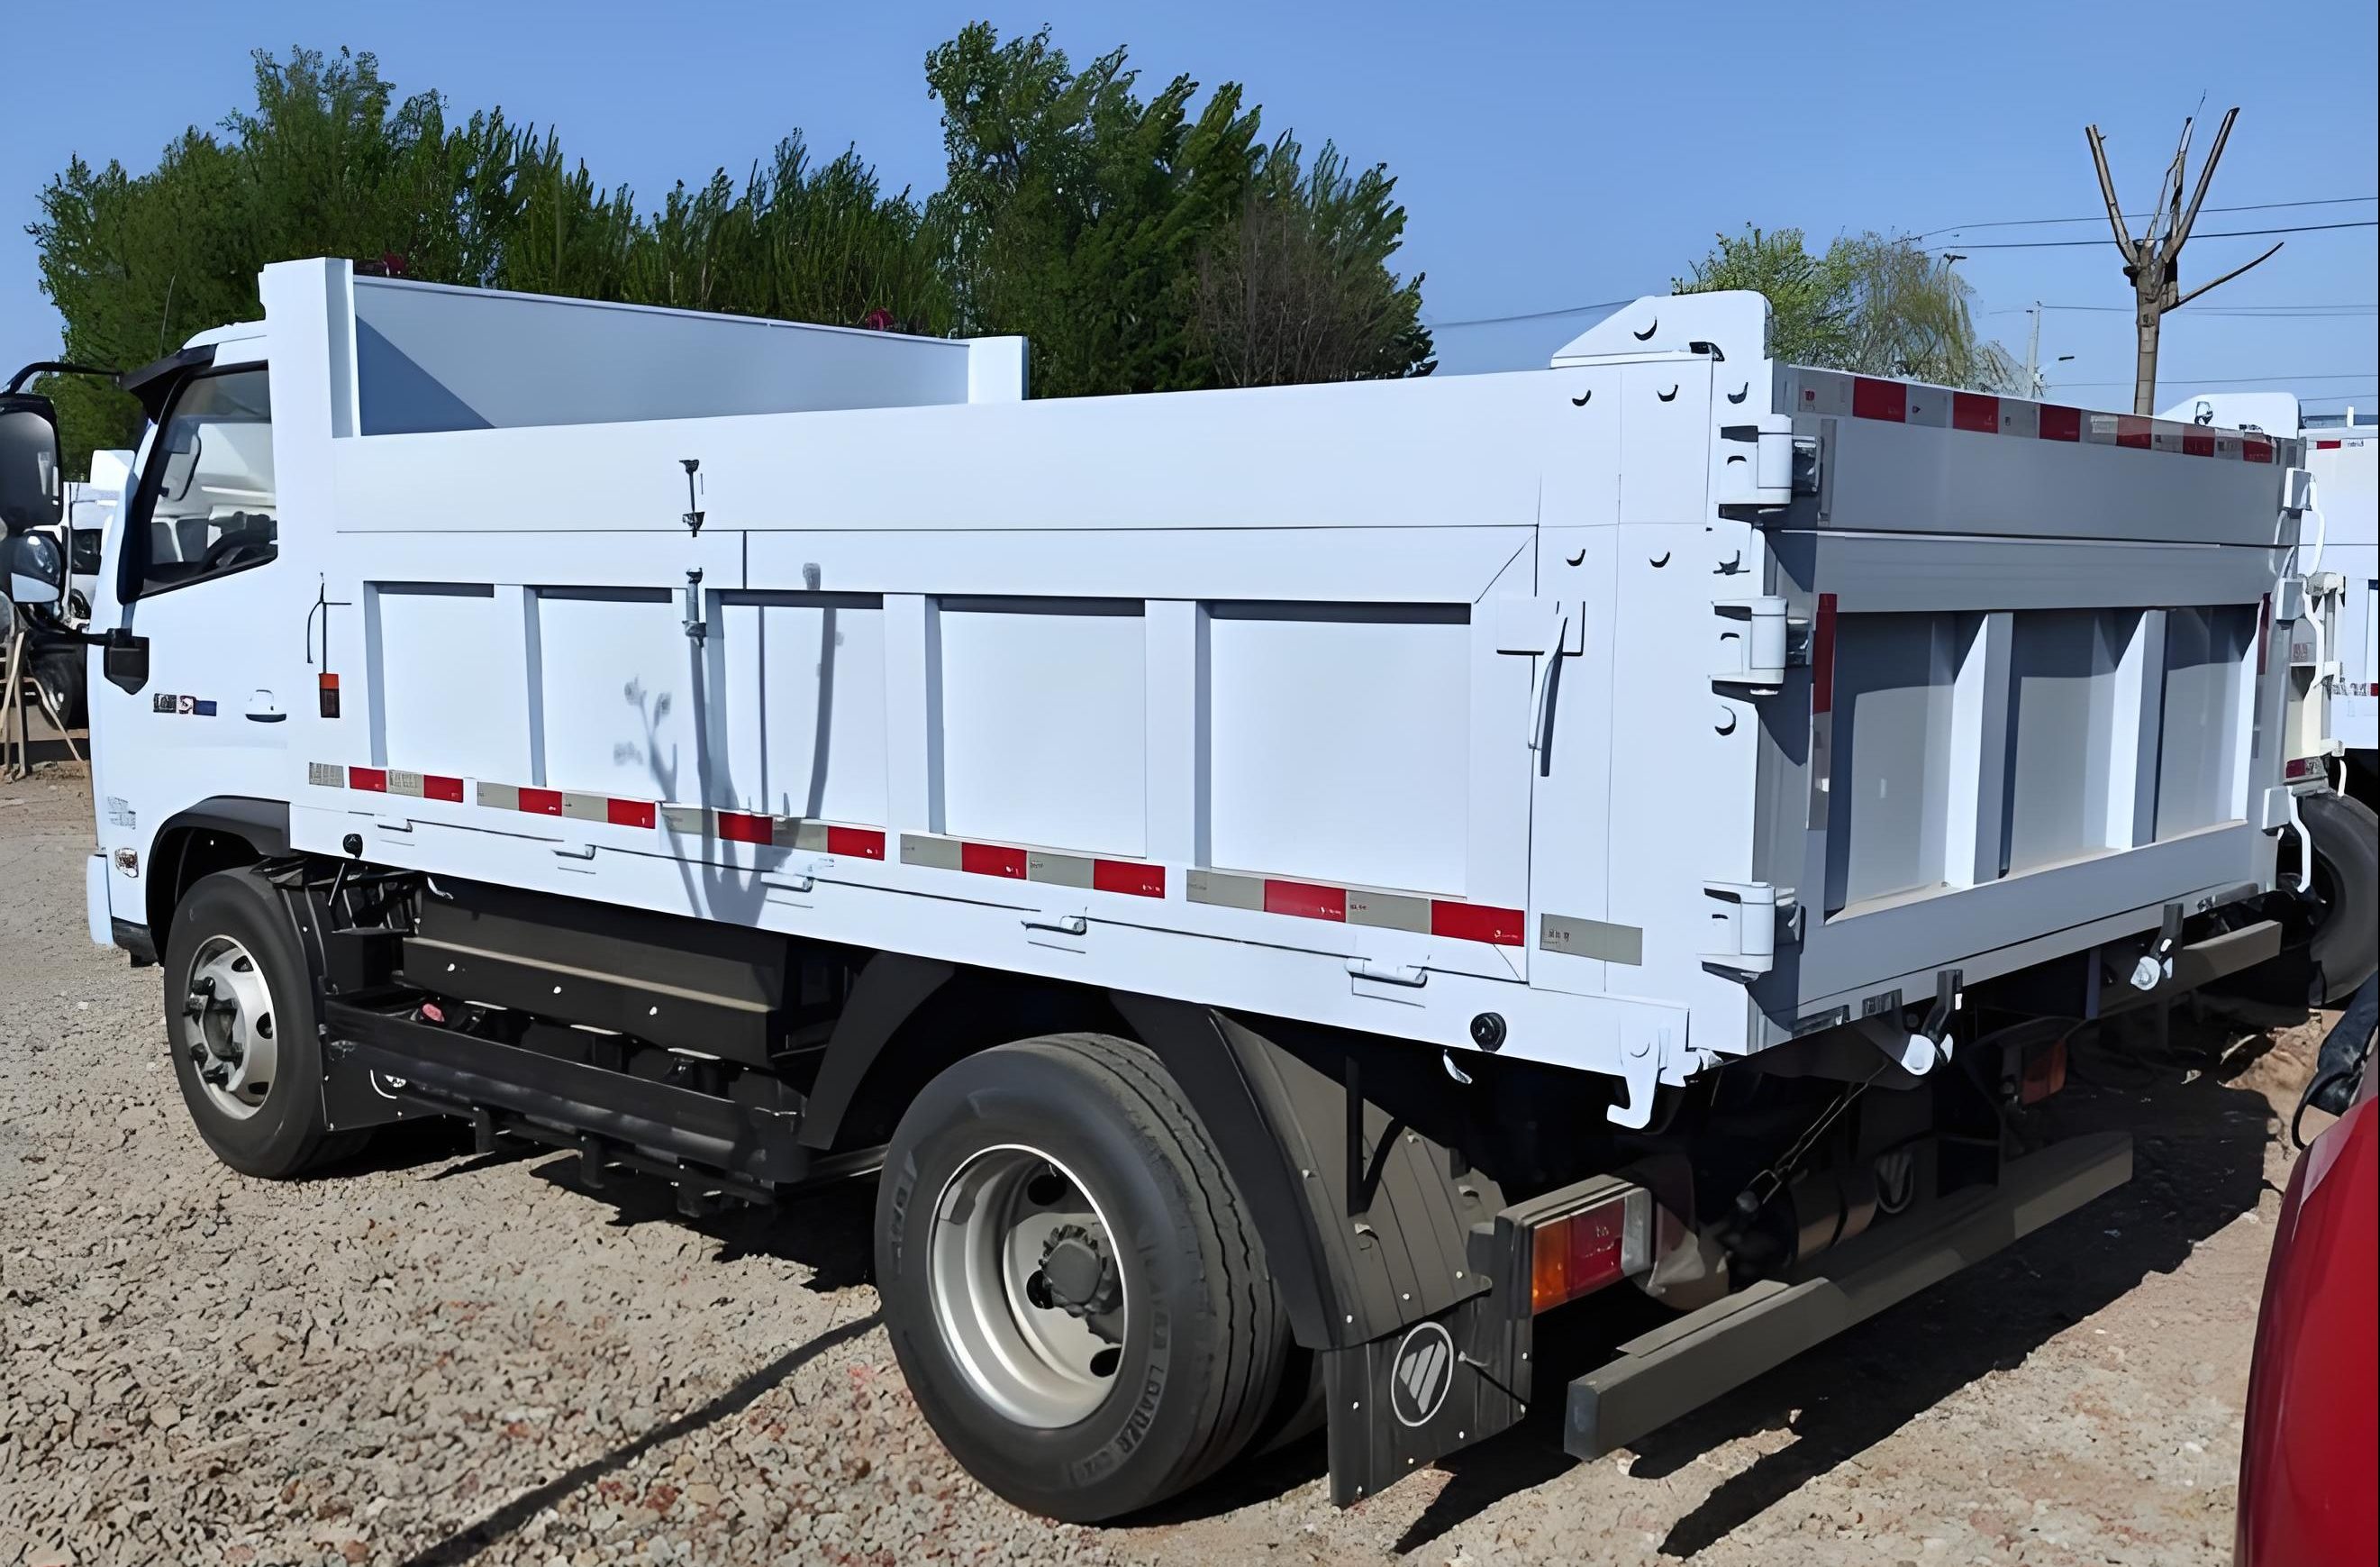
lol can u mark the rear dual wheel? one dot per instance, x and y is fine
(1072, 1282)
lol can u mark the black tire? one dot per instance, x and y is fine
(1201, 1354)
(285, 1135)
(2346, 944)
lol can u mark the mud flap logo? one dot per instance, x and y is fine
(1895, 1179)
(1423, 1370)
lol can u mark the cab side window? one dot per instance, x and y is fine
(214, 508)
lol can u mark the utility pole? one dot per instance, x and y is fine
(2151, 261)
(2033, 354)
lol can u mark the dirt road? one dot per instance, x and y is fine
(432, 1358)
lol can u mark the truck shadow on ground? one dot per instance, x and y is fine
(468, 1542)
(2199, 1162)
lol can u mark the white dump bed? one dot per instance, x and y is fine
(1629, 714)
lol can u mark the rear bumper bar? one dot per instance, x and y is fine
(1683, 1364)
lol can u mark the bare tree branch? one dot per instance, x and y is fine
(2224, 279)
(2206, 174)
(2124, 241)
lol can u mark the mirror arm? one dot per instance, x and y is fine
(53, 367)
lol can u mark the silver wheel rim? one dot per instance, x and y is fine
(227, 1029)
(1036, 1355)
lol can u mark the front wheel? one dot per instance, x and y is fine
(239, 1023)
(1072, 1282)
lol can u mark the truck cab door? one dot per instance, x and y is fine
(199, 709)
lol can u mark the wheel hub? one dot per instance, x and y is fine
(1026, 1290)
(1080, 1275)
(226, 1028)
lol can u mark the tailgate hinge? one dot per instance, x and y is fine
(1748, 914)
(1763, 464)
(1763, 641)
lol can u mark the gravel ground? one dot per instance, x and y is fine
(433, 1359)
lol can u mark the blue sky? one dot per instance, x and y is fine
(1548, 156)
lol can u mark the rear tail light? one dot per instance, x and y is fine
(1575, 1254)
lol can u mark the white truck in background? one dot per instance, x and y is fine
(2336, 646)
(1288, 886)
(2343, 455)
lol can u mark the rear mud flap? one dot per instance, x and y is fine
(1409, 1398)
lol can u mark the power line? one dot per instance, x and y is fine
(1528, 315)
(2219, 234)
(2227, 379)
(2266, 312)
(2094, 217)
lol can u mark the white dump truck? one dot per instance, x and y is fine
(2335, 645)
(1288, 886)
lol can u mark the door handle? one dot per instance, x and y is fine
(262, 709)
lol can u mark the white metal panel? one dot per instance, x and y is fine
(2201, 761)
(803, 708)
(429, 358)
(1461, 451)
(618, 678)
(1890, 800)
(1043, 707)
(1894, 477)
(1338, 742)
(439, 699)
(2062, 705)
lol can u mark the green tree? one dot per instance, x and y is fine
(1873, 304)
(1142, 244)
(1298, 288)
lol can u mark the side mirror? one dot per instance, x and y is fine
(32, 569)
(31, 495)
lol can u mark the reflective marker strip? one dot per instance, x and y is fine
(1306, 900)
(989, 860)
(1450, 918)
(1133, 878)
(1822, 657)
(860, 842)
(781, 832)
(1977, 413)
(1476, 922)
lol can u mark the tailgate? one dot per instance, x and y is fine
(2042, 692)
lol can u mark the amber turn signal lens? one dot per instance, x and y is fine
(1580, 1253)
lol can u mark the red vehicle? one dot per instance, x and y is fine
(2313, 1439)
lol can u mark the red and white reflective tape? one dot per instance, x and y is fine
(1449, 917)
(1131, 876)
(742, 826)
(1980, 413)
(1358, 905)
